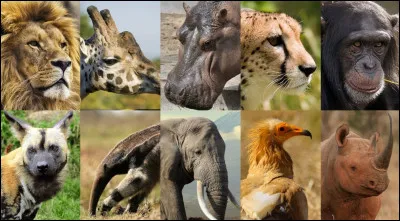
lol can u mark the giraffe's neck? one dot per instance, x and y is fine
(90, 55)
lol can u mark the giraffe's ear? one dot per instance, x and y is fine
(82, 47)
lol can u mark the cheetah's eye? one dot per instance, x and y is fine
(275, 41)
(110, 61)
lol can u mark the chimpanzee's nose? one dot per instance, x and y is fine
(42, 167)
(61, 64)
(307, 70)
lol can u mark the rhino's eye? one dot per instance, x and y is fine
(353, 168)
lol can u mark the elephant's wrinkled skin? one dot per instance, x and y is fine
(209, 54)
(192, 149)
(354, 174)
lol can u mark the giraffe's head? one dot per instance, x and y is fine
(114, 61)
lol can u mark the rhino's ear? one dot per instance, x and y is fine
(341, 134)
(19, 127)
(374, 140)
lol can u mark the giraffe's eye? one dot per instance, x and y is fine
(110, 61)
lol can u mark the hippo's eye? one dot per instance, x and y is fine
(34, 44)
(208, 45)
(275, 41)
(110, 61)
(53, 148)
(353, 168)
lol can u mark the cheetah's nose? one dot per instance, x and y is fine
(61, 64)
(307, 70)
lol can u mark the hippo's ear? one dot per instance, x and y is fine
(186, 7)
(374, 140)
(222, 15)
(341, 134)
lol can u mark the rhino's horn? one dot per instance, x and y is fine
(382, 160)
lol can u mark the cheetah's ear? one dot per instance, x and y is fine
(63, 124)
(18, 127)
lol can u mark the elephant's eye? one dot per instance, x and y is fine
(198, 152)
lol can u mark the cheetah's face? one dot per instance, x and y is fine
(275, 54)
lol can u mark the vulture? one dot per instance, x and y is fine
(269, 191)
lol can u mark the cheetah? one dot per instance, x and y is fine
(272, 58)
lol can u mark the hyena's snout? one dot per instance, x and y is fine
(43, 164)
(42, 167)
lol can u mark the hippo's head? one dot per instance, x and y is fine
(209, 54)
(361, 164)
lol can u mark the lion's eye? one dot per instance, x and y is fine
(34, 44)
(275, 41)
(357, 44)
(63, 45)
(110, 61)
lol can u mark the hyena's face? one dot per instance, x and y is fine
(45, 149)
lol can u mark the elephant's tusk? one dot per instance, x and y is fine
(233, 200)
(202, 203)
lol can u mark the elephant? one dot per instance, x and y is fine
(193, 149)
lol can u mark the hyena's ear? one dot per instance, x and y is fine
(19, 127)
(63, 124)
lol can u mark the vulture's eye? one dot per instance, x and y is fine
(281, 129)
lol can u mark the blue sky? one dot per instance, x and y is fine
(142, 19)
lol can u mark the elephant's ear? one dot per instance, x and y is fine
(170, 155)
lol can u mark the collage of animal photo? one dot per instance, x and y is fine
(200, 110)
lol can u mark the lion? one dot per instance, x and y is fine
(39, 57)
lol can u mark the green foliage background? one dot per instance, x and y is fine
(308, 13)
(66, 203)
(107, 100)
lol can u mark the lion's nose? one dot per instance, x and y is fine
(61, 64)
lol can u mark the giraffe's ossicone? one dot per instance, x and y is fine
(113, 61)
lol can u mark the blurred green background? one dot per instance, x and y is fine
(107, 100)
(308, 14)
(65, 205)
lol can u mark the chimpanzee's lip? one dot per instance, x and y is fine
(363, 88)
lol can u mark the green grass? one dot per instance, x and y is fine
(65, 205)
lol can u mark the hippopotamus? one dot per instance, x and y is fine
(354, 174)
(209, 54)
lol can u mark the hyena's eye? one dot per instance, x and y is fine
(31, 150)
(53, 148)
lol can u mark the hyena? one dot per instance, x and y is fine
(34, 172)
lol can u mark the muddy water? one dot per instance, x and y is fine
(232, 160)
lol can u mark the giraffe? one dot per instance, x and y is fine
(113, 61)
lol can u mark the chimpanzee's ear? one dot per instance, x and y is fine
(323, 27)
(19, 127)
(341, 134)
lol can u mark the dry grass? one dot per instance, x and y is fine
(305, 153)
(100, 132)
